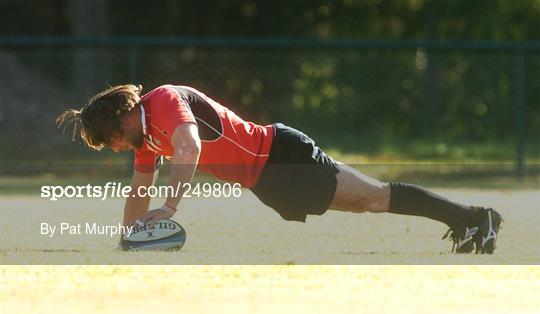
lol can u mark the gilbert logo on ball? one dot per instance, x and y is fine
(166, 235)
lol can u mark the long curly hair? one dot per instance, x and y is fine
(99, 121)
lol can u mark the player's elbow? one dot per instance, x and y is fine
(186, 142)
(196, 149)
(194, 146)
(188, 150)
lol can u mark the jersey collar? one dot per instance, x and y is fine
(143, 119)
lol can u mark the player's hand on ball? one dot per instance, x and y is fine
(151, 217)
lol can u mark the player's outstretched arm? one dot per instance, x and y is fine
(187, 148)
(137, 205)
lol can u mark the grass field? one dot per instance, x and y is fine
(241, 231)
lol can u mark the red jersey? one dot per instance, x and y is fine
(232, 149)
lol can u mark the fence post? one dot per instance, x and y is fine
(520, 114)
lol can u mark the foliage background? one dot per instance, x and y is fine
(391, 103)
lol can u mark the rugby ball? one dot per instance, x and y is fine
(166, 235)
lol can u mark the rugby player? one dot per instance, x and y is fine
(281, 165)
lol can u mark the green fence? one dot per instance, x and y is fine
(372, 90)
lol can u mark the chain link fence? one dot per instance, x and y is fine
(344, 93)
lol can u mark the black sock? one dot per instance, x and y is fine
(408, 199)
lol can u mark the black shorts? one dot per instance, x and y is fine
(298, 178)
